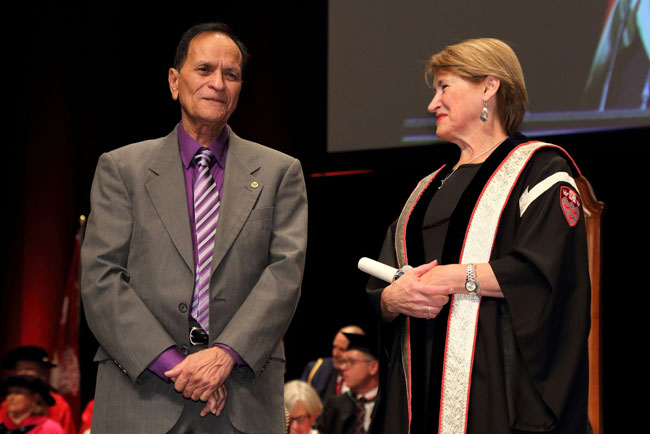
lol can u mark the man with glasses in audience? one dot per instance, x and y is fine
(351, 412)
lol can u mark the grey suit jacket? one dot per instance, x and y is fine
(137, 275)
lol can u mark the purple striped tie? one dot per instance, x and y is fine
(206, 215)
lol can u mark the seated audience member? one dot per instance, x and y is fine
(34, 361)
(27, 402)
(324, 374)
(304, 406)
(351, 412)
(87, 418)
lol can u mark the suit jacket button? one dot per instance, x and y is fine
(182, 307)
(185, 350)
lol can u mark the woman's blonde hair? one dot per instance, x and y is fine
(474, 60)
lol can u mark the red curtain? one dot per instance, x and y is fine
(41, 239)
(66, 377)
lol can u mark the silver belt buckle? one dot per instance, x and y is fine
(192, 341)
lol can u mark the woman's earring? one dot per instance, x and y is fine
(484, 112)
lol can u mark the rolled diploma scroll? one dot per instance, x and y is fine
(377, 269)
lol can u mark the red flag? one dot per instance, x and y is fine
(65, 378)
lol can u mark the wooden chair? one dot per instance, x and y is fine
(594, 210)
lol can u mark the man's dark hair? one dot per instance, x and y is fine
(216, 27)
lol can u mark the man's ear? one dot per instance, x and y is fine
(172, 77)
(374, 367)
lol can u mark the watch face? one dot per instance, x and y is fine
(470, 286)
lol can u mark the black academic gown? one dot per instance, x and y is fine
(530, 371)
(339, 415)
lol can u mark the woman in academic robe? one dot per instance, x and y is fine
(28, 399)
(484, 328)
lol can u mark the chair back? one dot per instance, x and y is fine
(593, 210)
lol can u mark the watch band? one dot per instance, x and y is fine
(399, 273)
(471, 282)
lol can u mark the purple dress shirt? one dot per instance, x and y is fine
(188, 148)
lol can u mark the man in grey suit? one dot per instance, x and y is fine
(165, 365)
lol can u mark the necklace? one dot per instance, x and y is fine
(482, 153)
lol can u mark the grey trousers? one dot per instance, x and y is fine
(191, 422)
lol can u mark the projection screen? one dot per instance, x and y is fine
(585, 63)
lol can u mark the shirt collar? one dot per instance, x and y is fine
(370, 395)
(188, 146)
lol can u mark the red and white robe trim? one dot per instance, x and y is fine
(464, 308)
(402, 260)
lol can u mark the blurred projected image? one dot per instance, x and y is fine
(620, 73)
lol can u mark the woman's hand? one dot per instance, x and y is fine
(454, 276)
(414, 296)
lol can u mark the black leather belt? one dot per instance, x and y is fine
(198, 336)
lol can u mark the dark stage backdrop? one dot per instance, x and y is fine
(81, 81)
(566, 64)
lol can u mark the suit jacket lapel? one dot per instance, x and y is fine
(239, 195)
(166, 189)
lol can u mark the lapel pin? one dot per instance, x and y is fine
(254, 184)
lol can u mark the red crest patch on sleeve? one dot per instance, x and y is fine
(570, 204)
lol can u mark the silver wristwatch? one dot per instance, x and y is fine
(401, 272)
(471, 284)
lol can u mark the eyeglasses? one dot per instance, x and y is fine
(302, 420)
(352, 362)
